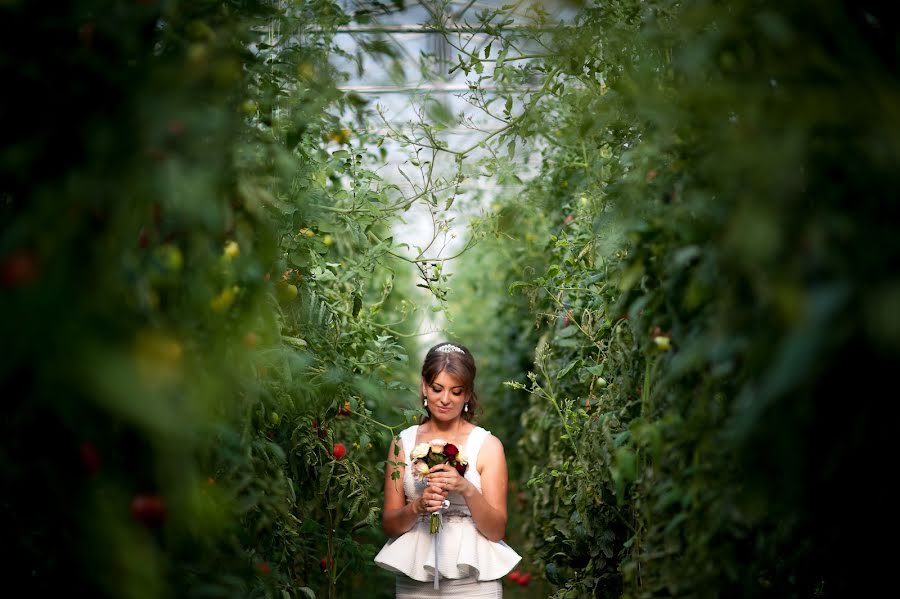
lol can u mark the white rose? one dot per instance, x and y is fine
(437, 445)
(461, 457)
(420, 470)
(420, 451)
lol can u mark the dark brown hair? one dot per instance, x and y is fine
(460, 365)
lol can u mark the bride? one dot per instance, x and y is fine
(467, 557)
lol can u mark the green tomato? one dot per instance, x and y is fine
(286, 291)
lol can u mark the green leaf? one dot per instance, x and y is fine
(438, 112)
(567, 369)
(516, 284)
(596, 370)
(295, 342)
(322, 275)
(631, 276)
(568, 331)
(625, 464)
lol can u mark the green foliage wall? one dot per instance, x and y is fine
(685, 324)
(199, 392)
(708, 256)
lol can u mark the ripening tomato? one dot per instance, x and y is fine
(86, 33)
(662, 343)
(249, 107)
(232, 249)
(149, 510)
(339, 451)
(285, 291)
(90, 457)
(175, 127)
(19, 269)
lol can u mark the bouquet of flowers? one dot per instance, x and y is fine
(437, 451)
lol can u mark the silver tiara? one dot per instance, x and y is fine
(449, 347)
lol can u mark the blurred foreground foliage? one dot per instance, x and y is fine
(702, 310)
(194, 281)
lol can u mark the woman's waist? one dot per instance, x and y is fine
(449, 515)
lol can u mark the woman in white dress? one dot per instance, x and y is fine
(468, 557)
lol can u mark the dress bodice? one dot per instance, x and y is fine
(414, 488)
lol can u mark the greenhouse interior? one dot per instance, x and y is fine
(370, 299)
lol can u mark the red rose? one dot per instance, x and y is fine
(264, 568)
(451, 450)
(461, 468)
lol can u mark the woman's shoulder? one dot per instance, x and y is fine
(408, 435)
(405, 437)
(480, 433)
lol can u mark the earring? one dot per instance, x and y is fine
(424, 401)
(466, 407)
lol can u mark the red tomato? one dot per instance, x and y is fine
(149, 510)
(251, 339)
(90, 457)
(19, 269)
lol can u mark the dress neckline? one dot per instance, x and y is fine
(464, 444)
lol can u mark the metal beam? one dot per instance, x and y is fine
(426, 28)
(427, 88)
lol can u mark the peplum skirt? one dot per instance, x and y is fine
(462, 553)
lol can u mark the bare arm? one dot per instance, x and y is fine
(489, 507)
(398, 516)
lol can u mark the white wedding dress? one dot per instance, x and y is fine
(469, 564)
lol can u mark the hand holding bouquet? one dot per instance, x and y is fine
(437, 451)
